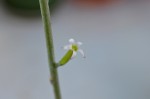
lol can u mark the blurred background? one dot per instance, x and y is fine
(116, 40)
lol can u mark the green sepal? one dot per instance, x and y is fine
(66, 58)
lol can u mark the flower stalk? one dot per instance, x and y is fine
(50, 47)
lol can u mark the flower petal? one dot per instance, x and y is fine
(72, 41)
(82, 53)
(67, 47)
(79, 43)
(74, 54)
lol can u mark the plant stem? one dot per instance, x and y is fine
(50, 48)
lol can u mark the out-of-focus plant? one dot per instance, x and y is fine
(29, 4)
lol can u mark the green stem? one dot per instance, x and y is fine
(50, 48)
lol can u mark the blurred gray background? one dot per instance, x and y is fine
(116, 40)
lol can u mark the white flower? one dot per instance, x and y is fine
(75, 47)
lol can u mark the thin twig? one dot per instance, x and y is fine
(50, 48)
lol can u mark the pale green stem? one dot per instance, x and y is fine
(50, 48)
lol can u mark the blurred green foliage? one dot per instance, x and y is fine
(29, 4)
